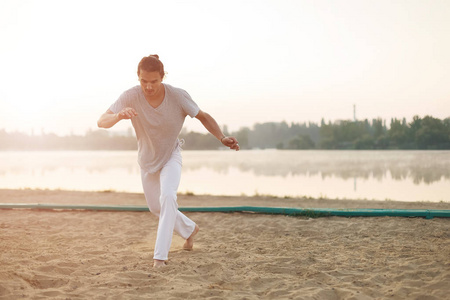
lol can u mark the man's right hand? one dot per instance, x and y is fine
(109, 119)
(127, 113)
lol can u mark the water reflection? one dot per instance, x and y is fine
(399, 175)
(420, 166)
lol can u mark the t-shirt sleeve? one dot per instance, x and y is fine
(188, 105)
(123, 101)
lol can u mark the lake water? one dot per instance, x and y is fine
(378, 175)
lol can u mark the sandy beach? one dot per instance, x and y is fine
(108, 255)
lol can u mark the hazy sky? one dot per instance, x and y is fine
(62, 63)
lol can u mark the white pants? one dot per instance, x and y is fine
(160, 191)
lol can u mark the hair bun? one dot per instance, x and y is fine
(151, 63)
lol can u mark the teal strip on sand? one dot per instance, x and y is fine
(309, 212)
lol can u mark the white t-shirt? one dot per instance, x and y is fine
(157, 129)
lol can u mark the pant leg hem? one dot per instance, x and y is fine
(164, 259)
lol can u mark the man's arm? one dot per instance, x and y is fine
(109, 119)
(212, 126)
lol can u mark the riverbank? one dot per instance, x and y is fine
(117, 198)
(100, 255)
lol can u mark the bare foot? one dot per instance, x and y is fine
(189, 244)
(158, 263)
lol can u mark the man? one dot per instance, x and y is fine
(157, 112)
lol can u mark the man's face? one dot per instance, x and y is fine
(150, 82)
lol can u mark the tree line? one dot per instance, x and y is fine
(421, 133)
